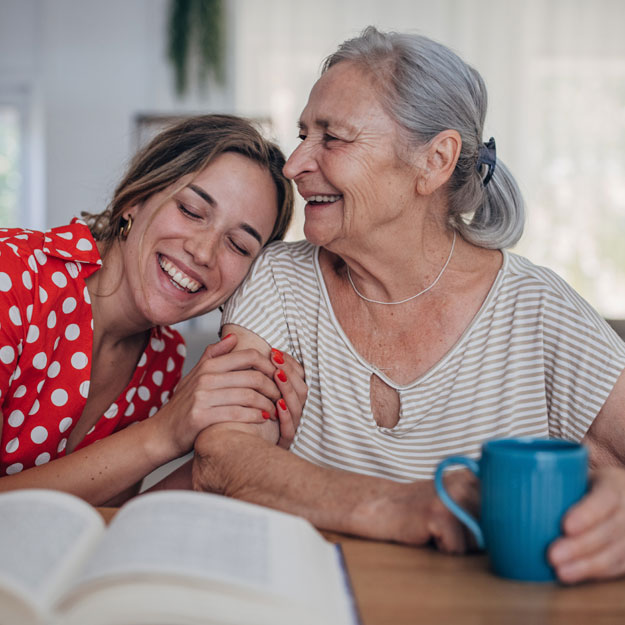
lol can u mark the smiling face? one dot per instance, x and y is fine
(346, 167)
(186, 255)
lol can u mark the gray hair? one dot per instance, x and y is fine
(426, 88)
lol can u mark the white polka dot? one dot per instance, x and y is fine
(130, 393)
(170, 364)
(51, 319)
(27, 281)
(111, 412)
(153, 411)
(158, 345)
(32, 263)
(14, 316)
(34, 408)
(12, 445)
(68, 236)
(157, 377)
(57, 340)
(16, 418)
(33, 334)
(84, 388)
(59, 279)
(65, 423)
(144, 393)
(164, 397)
(61, 446)
(59, 397)
(40, 385)
(42, 259)
(40, 361)
(39, 434)
(69, 305)
(182, 350)
(7, 354)
(5, 282)
(129, 410)
(86, 295)
(14, 468)
(20, 391)
(54, 369)
(84, 245)
(79, 360)
(91, 430)
(16, 373)
(142, 360)
(72, 332)
(42, 458)
(29, 312)
(14, 248)
(72, 269)
(43, 296)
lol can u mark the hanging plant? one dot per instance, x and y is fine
(196, 30)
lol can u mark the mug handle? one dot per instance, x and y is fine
(453, 507)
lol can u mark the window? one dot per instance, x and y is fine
(11, 140)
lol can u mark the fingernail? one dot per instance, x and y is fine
(282, 376)
(227, 335)
(277, 356)
(282, 404)
(266, 415)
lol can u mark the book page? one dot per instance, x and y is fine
(44, 534)
(209, 538)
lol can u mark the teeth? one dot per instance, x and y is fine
(180, 279)
(324, 198)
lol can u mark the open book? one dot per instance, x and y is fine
(167, 558)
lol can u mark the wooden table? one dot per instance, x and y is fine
(397, 585)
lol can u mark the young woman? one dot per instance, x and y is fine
(85, 347)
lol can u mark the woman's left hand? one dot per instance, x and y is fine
(593, 545)
(289, 377)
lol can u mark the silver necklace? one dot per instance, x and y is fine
(403, 301)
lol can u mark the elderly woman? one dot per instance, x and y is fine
(420, 336)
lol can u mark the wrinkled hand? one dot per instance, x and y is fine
(289, 378)
(415, 515)
(593, 545)
(223, 386)
(445, 530)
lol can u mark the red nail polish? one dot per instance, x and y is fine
(282, 404)
(277, 356)
(227, 335)
(282, 376)
(265, 414)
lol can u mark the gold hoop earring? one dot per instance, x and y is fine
(125, 229)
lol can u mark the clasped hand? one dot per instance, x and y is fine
(241, 386)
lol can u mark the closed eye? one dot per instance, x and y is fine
(239, 249)
(185, 211)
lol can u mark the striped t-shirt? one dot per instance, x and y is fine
(536, 360)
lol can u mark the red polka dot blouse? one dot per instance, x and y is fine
(46, 338)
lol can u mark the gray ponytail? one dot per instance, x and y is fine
(427, 88)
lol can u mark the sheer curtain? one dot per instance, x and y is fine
(555, 71)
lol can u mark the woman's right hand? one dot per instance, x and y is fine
(224, 385)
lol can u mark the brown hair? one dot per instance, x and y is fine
(187, 148)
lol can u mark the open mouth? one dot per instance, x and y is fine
(323, 199)
(178, 278)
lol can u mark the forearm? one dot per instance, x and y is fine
(99, 472)
(239, 464)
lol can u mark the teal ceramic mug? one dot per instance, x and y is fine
(527, 485)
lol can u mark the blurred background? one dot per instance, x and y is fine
(84, 82)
